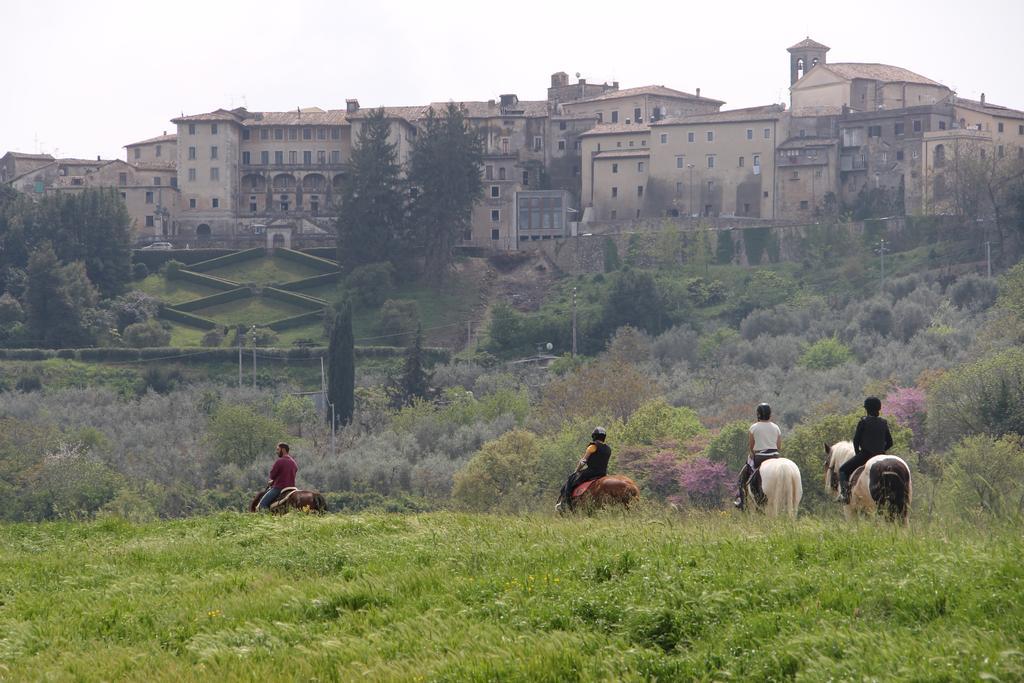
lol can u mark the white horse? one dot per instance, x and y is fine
(881, 486)
(781, 484)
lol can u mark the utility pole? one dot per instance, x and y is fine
(253, 356)
(988, 258)
(690, 166)
(240, 339)
(469, 334)
(573, 322)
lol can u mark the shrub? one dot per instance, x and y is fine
(974, 293)
(729, 445)
(656, 421)
(171, 269)
(237, 434)
(984, 397)
(824, 354)
(149, 333)
(705, 482)
(261, 337)
(213, 338)
(877, 318)
(140, 271)
(159, 379)
(498, 475)
(399, 319)
(660, 474)
(10, 310)
(910, 318)
(29, 383)
(907, 406)
(984, 475)
(133, 307)
(371, 283)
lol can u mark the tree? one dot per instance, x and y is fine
(415, 380)
(444, 167)
(634, 300)
(372, 210)
(341, 369)
(239, 435)
(57, 299)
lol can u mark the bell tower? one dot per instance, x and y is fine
(803, 57)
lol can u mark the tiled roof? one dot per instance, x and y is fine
(616, 129)
(802, 143)
(409, 114)
(300, 117)
(876, 72)
(151, 166)
(492, 108)
(159, 138)
(618, 153)
(989, 108)
(769, 112)
(658, 90)
(235, 115)
(807, 42)
(26, 155)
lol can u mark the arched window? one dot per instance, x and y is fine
(814, 62)
(202, 231)
(940, 155)
(939, 187)
(799, 69)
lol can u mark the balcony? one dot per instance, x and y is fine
(286, 168)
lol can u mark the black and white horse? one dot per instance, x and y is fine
(881, 486)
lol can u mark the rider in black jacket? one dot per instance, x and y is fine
(871, 438)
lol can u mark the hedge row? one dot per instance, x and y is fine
(293, 298)
(154, 259)
(214, 299)
(296, 320)
(329, 253)
(310, 282)
(321, 264)
(207, 280)
(195, 353)
(227, 259)
(169, 313)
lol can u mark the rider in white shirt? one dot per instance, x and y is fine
(763, 442)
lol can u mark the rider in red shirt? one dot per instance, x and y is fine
(282, 476)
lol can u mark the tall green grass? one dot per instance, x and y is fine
(453, 597)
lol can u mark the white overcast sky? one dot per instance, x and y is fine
(84, 78)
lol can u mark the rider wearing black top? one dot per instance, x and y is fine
(593, 465)
(871, 438)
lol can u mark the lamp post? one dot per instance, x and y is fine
(690, 166)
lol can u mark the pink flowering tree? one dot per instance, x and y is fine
(907, 406)
(706, 483)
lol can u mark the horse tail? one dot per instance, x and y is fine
(321, 503)
(894, 494)
(796, 490)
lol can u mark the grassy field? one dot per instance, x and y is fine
(254, 309)
(264, 271)
(172, 291)
(449, 597)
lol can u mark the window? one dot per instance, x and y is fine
(711, 136)
(335, 156)
(874, 131)
(615, 117)
(538, 143)
(579, 145)
(284, 202)
(192, 203)
(757, 160)
(293, 157)
(679, 189)
(600, 117)
(279, 158)
(495, 233)
(638, 116)
(488, 172)
(504, 146)
(501, 173)
(803, 204)
(898, 129)
(264, 134)
(192, 175)
(984, 154)
(999, 127)
(321, 156)
(495, 215)
(215, 203)
(939, 156)
(766, 194)
(174, 182)
(767, 133)
(614, 214)
(561, 145)
(252, 205)
(122, 178)
(817, 173)
(526, 177)
(213, 128)
(215, 173)
(746, 207)
(159, 148)
(321, 133)
(265, 158)
(643, 143)
(307, 133)
(742, 162)
(495, 191)
(1020, 130)
(191, 129)
(615, 168)
(680, 160)
(899, 155)
(245, 134)
(191, 153)
(615, 192)
(631, 142)
(213, 152)
(750, 133)
(999, 150)
(977, 126)
(917, 125)
(883, 157)
(149, 197)
(307, 157)
(149, 222)
(246, 159)
(157, 180)
(711, 161)
(335, 133)
(278, 134)
(640, 167)
(664, 138)
(639, 190)
(293, 134)
(942, 125)
(561, 125)
(1020, 152)
(689, 137)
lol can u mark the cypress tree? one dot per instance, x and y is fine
(341, 369)
(415, 378)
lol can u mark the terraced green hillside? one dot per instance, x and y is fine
(451, 597)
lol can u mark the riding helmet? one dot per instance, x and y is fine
(872, 404)
(599, 434)
(764, 411)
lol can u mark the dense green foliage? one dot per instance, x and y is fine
(341, 368)
(446, 597)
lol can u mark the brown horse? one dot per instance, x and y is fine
(607, 490)
(309, 501)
